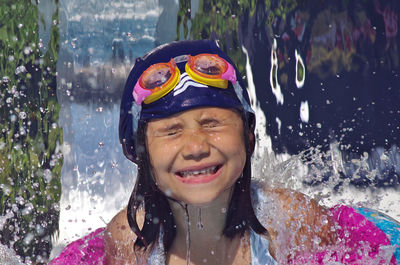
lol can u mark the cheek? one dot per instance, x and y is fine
(161, 157)
(240, 152)
(161, 153)
(234, 149)
(241, 158)
(160, 178)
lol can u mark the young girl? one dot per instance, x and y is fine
(187, 123)
(192, 139)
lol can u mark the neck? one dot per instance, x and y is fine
(205, 226)
(204, 220)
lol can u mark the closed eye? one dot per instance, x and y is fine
(210, 123)
(169, 130)
(172, 132)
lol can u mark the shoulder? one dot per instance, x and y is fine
(303, 216)
(119, 240)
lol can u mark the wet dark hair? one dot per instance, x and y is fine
(240, 215)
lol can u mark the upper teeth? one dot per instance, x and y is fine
(205, 171)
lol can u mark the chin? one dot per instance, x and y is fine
(197, 201)
(201, 198)
(200, 202)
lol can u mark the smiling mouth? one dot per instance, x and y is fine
(198, 173)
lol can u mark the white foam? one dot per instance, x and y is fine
(8, 256)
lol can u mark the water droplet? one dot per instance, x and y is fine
(14, 208)
(20, 200)
(27, 50)
(13, 118)
(168, 193)
(56, 206)
(47, 175)
(317, 240)
(148, 216)
(28, 209)
(28, 238)
(304, 112)
(22, 131)
(22, 115)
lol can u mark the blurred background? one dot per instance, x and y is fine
(323, 78)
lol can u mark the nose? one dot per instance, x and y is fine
(196, 145)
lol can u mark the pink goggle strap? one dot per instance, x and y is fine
(139, 94)
(229, 74)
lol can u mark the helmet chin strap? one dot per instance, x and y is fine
(239, 94)
(136, 109)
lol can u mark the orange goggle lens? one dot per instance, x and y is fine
(158, 80)
(207, 65)
(156, 76)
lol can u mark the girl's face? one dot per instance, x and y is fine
(197, 154)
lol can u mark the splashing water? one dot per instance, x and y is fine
(320, 174)
(331, 176)
(8, 256)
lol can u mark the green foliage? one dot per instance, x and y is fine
(216, 19)
(30, 159)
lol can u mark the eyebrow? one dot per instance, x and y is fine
(169, 126)
(210, 119)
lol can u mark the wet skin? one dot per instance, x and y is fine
(197, 154)
(196, 158)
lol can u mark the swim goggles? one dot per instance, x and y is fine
(159, 79)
